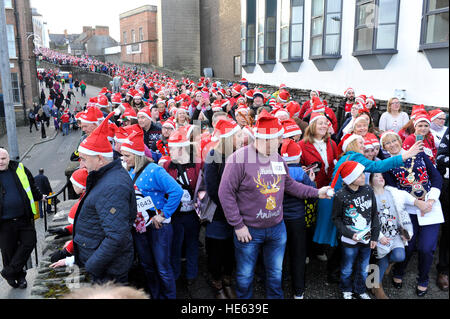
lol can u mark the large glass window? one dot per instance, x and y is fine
(248, 35)
(326, 18)
(15, 88)
(133, 36)
(124, 37)
(141, 34)
(376, 25)
(8, 3)
(435, 23)
(291, 39)
(11, 41)
(267, 30)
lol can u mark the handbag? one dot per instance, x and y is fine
(204, 205)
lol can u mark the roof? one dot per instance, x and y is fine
(97, 43)
(138, 10)
(60, 39)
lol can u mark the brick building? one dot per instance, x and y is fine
(22, 60)
(139, 36)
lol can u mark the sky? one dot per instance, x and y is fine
(73, 15)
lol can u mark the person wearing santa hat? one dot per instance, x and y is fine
(422, 132)
(294, 217)
(438, 128)
(148, 121)
(308, 104)
(393, 119)
(219, 234)
(185, 167)
(65, 120)
(158, 197)
(343, 111)
(62, 257)
(371, 105)
(251, 193)
(319, 106)
(102, 229)
(352, 149)
(291, 130)
(258, 100)
(419, 177)
(162, 146)
(355, 216)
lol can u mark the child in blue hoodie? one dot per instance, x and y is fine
(294, 217)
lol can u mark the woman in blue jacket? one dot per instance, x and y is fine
(353, 148)
(153, 231)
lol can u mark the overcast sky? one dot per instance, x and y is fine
(74, 14)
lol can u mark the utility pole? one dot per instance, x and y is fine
(5, 73)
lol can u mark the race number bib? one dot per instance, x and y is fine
(144, 204)
(278, 168)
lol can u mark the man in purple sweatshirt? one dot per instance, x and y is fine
(251, 193)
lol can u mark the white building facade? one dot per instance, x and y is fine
(383, 48)
(40, 29)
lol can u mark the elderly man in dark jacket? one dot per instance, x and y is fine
(103, 243)
(18, 193)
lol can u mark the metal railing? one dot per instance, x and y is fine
(54, 201)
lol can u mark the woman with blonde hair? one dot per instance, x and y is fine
(393, 119)
(219, 234)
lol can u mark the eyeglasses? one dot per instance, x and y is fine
(441, 119)
(395, 103)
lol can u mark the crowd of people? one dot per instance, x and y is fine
(271, 178)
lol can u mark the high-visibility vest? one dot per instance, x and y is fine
(26, 186)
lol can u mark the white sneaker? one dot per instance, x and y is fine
(364, 296)
(347, 295)
(307, 260)
(322, 257)
(298, 297)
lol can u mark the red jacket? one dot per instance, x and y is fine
(310, 155)
(65, 118)
(305, 108)
(191, 172)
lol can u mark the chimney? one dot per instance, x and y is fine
(101, 30)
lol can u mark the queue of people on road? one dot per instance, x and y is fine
(272, 179)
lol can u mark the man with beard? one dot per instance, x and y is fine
(345, 106)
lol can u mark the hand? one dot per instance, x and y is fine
(325, 192)
(58, 264)
(312, 175)
(413, 151)
(243, 235)
(385, 241)
(373, 244)
(355, 235)
(423, 206)
(44, 198)
(428, 207)
(157, 221)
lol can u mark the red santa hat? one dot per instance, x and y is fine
(217, 106)
(146, 111)
(368, 142)
(347, 139)
(348, 91)
(283, 87)
(268, 127)
(79, 178)
(164, 159)
(291, 151)
(361, 99)
(280, 111)
(422, 117)
(179, 138)
(293, 108)
(434, 114)
(349, 171)
(371, 99)
(134, 144)
(417, 109)
(242, 109)
(249, 94)
(315, 91)
(222, 92)
(237, 89)
(224, 129)
(97, 143)
(315, 116)
(249, 131)
(116, 98)
(89, 117)
(291, 128)
(317, 106)
(257, 93)
(284, 96)
(129, 113)
(170, 123)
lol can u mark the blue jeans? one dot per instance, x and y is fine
(273, 243)
(65, 128)
(397, 255)
(425, 240)
(350, 255)
(41, 209)
(153, 248)
(186, 227)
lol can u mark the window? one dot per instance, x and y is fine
(11, 41)
(141, 34)
(125, 37)
(326, 18)
(237, 65)
(133, 36)
(376, 25)
(248, 36)
(15, 88)
(435, 24)
(267, 35)
(291, 42)
(8, 4)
